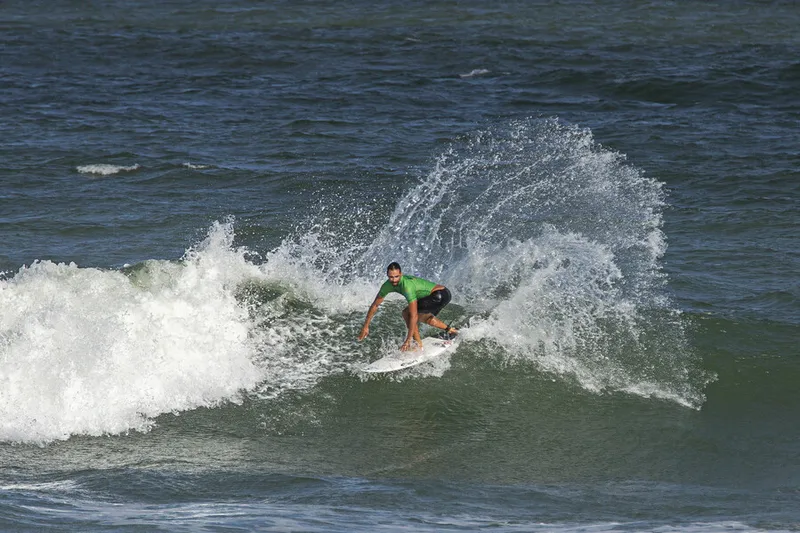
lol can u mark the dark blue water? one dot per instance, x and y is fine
(198, 201)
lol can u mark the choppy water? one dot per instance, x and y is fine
(198, 202)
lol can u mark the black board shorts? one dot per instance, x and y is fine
(434, 302)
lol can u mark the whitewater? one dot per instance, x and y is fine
(550, 242)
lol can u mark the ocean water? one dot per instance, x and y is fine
(198, 201)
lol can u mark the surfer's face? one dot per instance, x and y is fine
(394, 276)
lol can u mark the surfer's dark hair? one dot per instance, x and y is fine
(394, 266)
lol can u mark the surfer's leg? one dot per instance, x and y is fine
(430, 307)
(436, 323)
(431, 320)
(425, 318)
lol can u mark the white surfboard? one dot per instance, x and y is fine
(432, 347)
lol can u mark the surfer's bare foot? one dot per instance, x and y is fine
(451, 331)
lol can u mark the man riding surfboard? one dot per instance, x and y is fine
(425, 300)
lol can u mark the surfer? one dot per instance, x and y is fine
(425, 300)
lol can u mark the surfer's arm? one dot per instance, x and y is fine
(371, 313)
(413, 327)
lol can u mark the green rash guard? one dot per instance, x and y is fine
(411, 287)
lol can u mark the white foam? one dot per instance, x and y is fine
(295, 263)
(193, 166)
(89, 351)
(475, 72)
(552, 245)
(105, 169)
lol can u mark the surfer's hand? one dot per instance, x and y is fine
(364, 333)
(408, 347)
